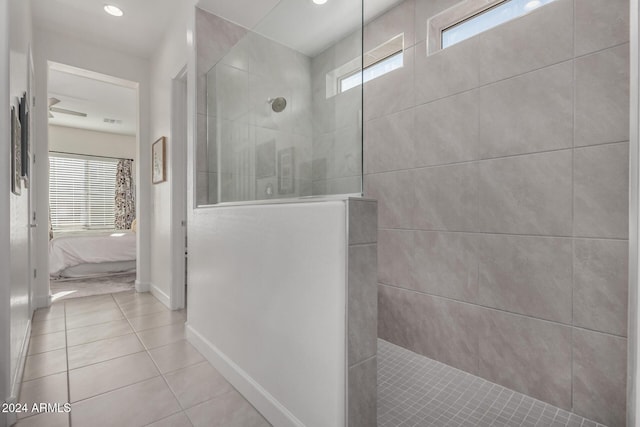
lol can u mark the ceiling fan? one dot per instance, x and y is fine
(52, 109)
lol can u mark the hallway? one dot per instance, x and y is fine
(123, 360)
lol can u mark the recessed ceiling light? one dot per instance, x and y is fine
(113, 10)
(319, 1)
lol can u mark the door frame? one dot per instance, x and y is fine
(179, 125)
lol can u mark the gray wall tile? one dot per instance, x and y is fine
(446, 130)
(391, 92)
(601, 285)
(527, 114)
(446, 72)
(398, 20)
(363, 221)
(600, 24)
(519, 46)
(602, 97)
(395, 255)
(446, 264)
(363, 394)
(528, 194)
(526, 275)
(446, 197)
(527, 355)
(425, 9)
(394, 192)
(599, 377)
(215, 37)
(363, 303)
(416, 321)
(389, 142)
(601, 180)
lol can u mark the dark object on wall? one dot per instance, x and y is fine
(23, 117)
(16, 153)
(286, 165)
(159, 161)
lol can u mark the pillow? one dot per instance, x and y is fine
(134, 225)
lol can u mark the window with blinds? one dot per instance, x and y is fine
(82, 193)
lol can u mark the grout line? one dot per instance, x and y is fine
(486, 159)
(477, 305)
(491, 233)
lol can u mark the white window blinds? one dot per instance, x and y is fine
(82, 192)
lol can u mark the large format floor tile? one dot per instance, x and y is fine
(175, 356)
(99, 332)
(135, 405)
(43, 364)
(99, 351)
(106, 376)
(52, 388)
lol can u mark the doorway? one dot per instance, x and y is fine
(179, 190)
(92, 191)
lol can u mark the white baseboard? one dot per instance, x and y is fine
(160, 295)
(260, 398)
(42, 301)
(142, 286)
(16, 381)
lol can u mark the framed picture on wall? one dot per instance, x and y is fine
(16, 153)
(158, 161)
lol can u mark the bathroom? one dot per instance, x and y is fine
(398, 213)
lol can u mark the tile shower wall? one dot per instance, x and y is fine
(235, 85)
(500, 169)
(337, 128)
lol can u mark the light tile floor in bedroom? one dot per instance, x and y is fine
(122, 360)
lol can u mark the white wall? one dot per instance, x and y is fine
(5, 245)
(267, 301)
(82, 141)
(14, 210)
(166, 64)
(76, 52)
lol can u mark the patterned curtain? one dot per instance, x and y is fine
(125, 196)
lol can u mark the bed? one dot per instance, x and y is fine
(90, 254)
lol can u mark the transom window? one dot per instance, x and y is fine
(472, 17)
(381, 60)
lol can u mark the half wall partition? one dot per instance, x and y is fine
(282, 248)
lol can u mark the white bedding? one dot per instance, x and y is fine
(70, 250)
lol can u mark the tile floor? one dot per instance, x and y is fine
(122, 360)
(416, 391)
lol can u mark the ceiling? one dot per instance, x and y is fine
(299, 24)
(137, 32)
(98, 99)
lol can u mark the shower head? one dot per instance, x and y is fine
(277, 104)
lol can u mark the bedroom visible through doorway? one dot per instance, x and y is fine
(93, 124)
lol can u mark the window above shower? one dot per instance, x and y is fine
(383, 59)
(470, 18)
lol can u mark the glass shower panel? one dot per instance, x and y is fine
(278, 125)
